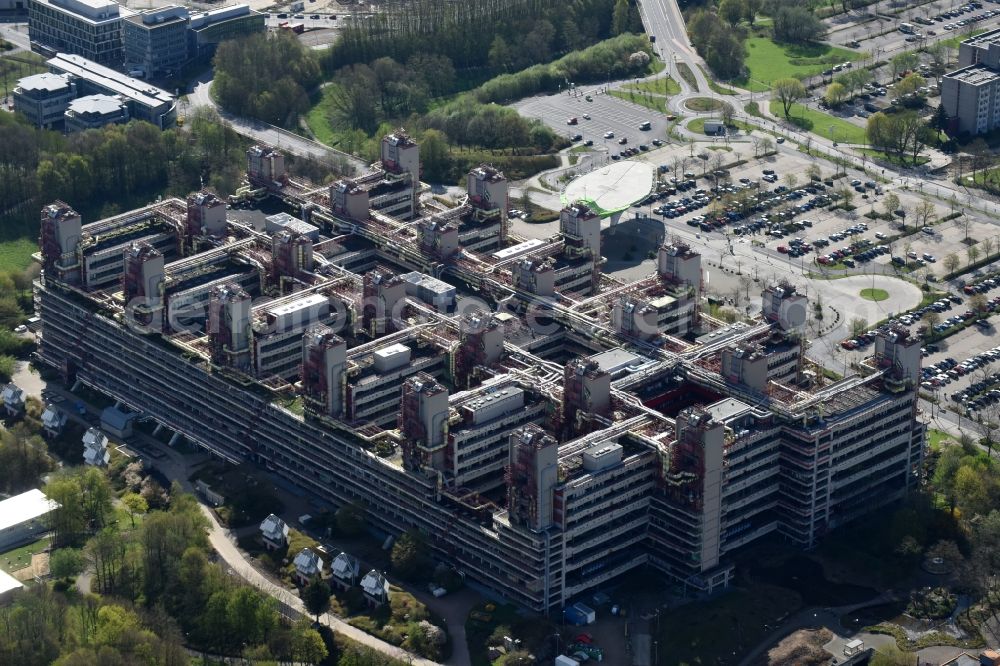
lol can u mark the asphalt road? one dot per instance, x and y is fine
(662, 19)
(607, 113)
(200, 96)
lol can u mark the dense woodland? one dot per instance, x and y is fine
(502, 35)
(104, 171)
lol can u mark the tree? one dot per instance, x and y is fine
(500, 55)
(973, 254)
(307, 644)
(858, 326)
(904, 62)
(813, 172)
(66, 562)
(910, 84)
(135, 504)
(434, 158)
(732, 11)
(316, 597)
(987, 244)
(930, 319)
(410, 557)
(620, 17)
(752, 7)
(797, 25)
(835, 94)
(846, 195)
(351, 519)
(791, 180)
(924, 213)
(890, 204)
(978, 304)
(951, 262)
(788, 91)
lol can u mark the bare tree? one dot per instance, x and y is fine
(987, 244)
(973, 253)
(891, 204)
(924, 213)
(951, 262)
(858, 326)
(791, 180)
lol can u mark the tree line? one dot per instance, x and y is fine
(103, 171)
(505, 35)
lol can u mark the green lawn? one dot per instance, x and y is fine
(819, 123)
(769, 61)
(892, 159)
(703, 104)
(697, 125)
(953, 41)
(653, 103)
(21, 64)
(19, 558)
(874, 294)
(935, 437)
(15, 254)
(661, 86)
(687, 75)
(716, 88)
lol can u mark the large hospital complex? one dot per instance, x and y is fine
(548, 426)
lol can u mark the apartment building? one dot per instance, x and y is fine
(971, 94)
(89, 28)
(541, 478)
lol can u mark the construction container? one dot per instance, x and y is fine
(579, 614)
(563, 660)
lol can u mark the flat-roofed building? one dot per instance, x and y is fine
(207, 29)
(145, 102)
(43, 98)
(971, 99)
(93, 111)
(90, 28)
(22, 518)
(156, 41)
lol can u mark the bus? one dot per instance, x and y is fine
(907, 28)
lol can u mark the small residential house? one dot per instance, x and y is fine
(275, 532)
(95, 448)
(13, 399)
(308, 565)
(53, 420)
(376, 588)
(345, 569)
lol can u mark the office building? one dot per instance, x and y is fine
(44, 98)
(89, 28)
(144, 101)
(93, 111)
(206, 30)
(156, 41)
(543, 454)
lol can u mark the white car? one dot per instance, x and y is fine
(609, 135)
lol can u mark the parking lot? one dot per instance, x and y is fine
(606, 114)
(864, 33)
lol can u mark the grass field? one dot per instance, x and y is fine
(654, 103)
(19, 558)
(21, 64)
(819, 123)
(874, 294)
(662, 86)
(15, 254)
(703, 104)
(769, 61)
(892, 159)
(935, 437)
(953, 41)
(716, 88)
